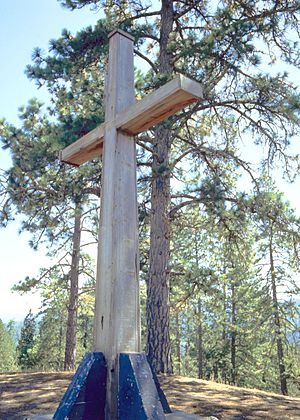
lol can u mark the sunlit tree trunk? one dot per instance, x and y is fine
(277, 322)
(187, 353)
(178, 343)
(233, 336)
(200, 341)
(158, 305)
(70, 351)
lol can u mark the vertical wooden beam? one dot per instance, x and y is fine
(116, 326)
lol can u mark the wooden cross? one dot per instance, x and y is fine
(117, 314)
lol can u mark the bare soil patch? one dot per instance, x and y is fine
(26, 394)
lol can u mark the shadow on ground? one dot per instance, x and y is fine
(25, 394)
(227, 402)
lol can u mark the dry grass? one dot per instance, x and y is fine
(228, 402)
(25, 394)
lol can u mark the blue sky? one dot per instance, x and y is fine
(25, 25)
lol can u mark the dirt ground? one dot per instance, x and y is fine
(25, 394)
(227, 402)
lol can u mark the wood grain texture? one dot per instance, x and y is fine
(116, 327)
(141, 115)
(86, 148)
(159, 105)
(121, 32)
(117, 310)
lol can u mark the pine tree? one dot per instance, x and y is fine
(50, 197)
(26, 352)
(222, 47)
(279, 247)
(218, 46)
(7, 348)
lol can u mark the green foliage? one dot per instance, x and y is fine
(222, 305)
(26, 348)
(222, 295)
(50, 334)
(50, 337)
(7, 347)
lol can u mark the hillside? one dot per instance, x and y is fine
(25, 394)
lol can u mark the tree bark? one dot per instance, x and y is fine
(178, 344)
(158, 305)
(224, 335)
(158, 308)
(233, 336)
(187, 353)
(277, 322)
(61, 345)
(200, 341)
(199, 317)
(70, 351)
(85, 332)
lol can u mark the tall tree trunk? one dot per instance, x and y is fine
(187, 352)
(158, 309)
(178, 343)
(158, 306)
(61, 346)
(215, 371)
(233, 336)
(278, 331)
(224, 335)
(85, 332)
(70, 351)
(199, 316)
(200, 341)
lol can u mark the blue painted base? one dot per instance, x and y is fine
(85, 396)
(139, 395)
(161, 394)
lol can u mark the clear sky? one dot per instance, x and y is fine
(25, 25)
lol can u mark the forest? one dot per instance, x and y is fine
(219, 243)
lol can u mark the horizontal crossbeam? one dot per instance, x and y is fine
(140, 116)
(159, 105)
(85, 148)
